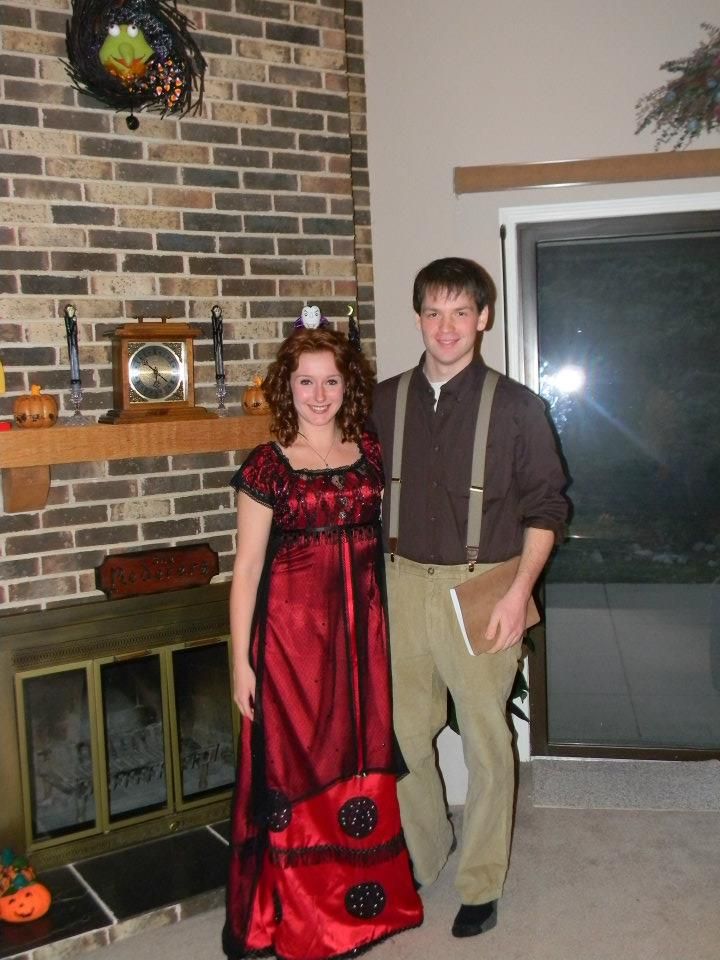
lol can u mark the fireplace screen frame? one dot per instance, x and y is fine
(229, 725)
(128, 754)
(161, 704)
(31, 777)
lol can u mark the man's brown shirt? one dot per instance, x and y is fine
(524, 479)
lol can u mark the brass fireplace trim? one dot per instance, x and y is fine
(68, 635)
(183, 804)
(107, 823)
(82, 848)
(24, 753)
(126, 643)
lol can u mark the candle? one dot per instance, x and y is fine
(72, 342)
(217, 334)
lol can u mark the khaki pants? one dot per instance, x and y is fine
(429, 657)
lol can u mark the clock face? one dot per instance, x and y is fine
(157, 372)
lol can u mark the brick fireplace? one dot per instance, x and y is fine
(116, 721)
(260, 203)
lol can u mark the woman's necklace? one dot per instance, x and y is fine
(317, 452)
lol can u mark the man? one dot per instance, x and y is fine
(524, 512)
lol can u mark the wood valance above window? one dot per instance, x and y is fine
(633, 167)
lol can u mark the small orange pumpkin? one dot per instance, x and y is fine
(27, 903)
(254, 401)
(35, 409)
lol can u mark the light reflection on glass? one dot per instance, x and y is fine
(557, 387)
(569, 379)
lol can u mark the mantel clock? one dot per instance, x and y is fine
(153, 372)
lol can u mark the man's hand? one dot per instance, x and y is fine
(507, 622)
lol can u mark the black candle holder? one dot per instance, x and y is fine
(221, 391)
(76, 395)
(216, 317)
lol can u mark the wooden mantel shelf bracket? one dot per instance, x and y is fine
(628, 168)
(27, 455)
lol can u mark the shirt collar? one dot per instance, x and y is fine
(459, 386)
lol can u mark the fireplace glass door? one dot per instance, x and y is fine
(59, 751)
(136, 739)
(121, 741)
(202, 716)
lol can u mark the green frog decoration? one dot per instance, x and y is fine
(135, 55)
(125, 51)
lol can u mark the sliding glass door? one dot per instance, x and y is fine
(622, 318)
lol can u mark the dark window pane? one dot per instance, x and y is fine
(629, 362)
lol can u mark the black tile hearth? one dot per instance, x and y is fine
(223, 829)
(73, 911)
(155, 874)
(97, 900)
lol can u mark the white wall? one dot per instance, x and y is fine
(465, 82)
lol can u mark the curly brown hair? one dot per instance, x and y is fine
(352, 364)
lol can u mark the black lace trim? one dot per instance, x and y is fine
(262, 804)
(319, 472)
(326, 852)
(242, 487)
(363, 948)
(354, 952)
(323, 853)
(250, 954)
(333, 534)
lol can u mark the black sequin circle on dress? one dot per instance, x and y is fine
(365, 900)
(358, 817)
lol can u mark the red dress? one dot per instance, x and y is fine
(318, 863)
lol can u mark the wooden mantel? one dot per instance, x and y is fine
(629, 168)
(27, 455)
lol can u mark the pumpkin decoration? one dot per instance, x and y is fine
(22, 897)
(28, 903)
(35, 409)
(254, 401)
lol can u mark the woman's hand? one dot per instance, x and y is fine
(244, 689)
(253, 531)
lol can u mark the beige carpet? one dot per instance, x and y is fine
(627, 784)
(583, 885)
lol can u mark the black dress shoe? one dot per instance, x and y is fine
(473, 919)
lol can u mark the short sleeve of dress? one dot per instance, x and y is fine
(371, 448)
(258, 476)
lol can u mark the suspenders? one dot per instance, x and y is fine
(477, 478)
(477, 475)
(395, 482)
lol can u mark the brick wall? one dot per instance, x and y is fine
(260, 204)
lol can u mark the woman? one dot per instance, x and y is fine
(318, 864)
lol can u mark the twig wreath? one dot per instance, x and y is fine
(135, 55)
(689, 104)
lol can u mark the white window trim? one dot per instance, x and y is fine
(512, 217)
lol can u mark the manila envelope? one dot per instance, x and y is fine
(475, 599)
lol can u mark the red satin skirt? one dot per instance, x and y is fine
(335, 876)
